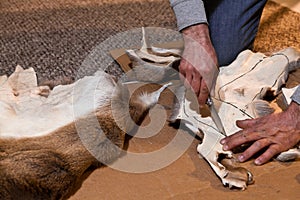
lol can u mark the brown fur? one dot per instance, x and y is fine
(51, 166)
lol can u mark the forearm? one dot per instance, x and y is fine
(188, 12)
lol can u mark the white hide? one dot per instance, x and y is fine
(238, 89)
(246, 80)
(29, 110)
(238, 86)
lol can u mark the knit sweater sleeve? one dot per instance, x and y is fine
(296, 96)
(188, 12)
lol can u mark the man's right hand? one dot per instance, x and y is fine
(199, 64)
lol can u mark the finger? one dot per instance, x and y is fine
(196, 82)
(184, 76)
(204, 92)
(239, 138)
(184, 80)
(188, 80)
(253, 149)
(272, 151)
(248, 123)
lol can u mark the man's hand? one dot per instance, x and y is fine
(199, 65)
(274, 133)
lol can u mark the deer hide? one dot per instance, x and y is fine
(49, 138)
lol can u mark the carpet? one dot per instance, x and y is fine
(54, 37)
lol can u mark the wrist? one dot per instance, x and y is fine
(197, 31)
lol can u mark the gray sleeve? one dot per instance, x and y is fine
(296, 96)
(188, 12)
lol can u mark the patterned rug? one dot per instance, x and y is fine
(55, 37)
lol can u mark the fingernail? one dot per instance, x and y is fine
(222, 141)
(225, 147)
(257, 162)
(241, 158)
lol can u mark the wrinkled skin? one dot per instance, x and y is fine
(198, 67)
(273, 134)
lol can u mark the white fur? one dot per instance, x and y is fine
(30, 114)
(150, 99)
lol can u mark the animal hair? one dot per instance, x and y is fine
(52, 166)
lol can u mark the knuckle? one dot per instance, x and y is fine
(258, 144)
(243, 135)
(204, 90)
(202, 100)
(273, 150)
(207, 70)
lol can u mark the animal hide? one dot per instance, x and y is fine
(21, 97)
(239, 93)
(50, 138)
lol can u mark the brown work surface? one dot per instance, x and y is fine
(189, 177)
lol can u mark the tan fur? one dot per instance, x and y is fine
(235, 171)
(52, 166)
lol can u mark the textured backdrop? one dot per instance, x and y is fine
(54, 37)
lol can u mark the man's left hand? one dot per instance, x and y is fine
(274, 133)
